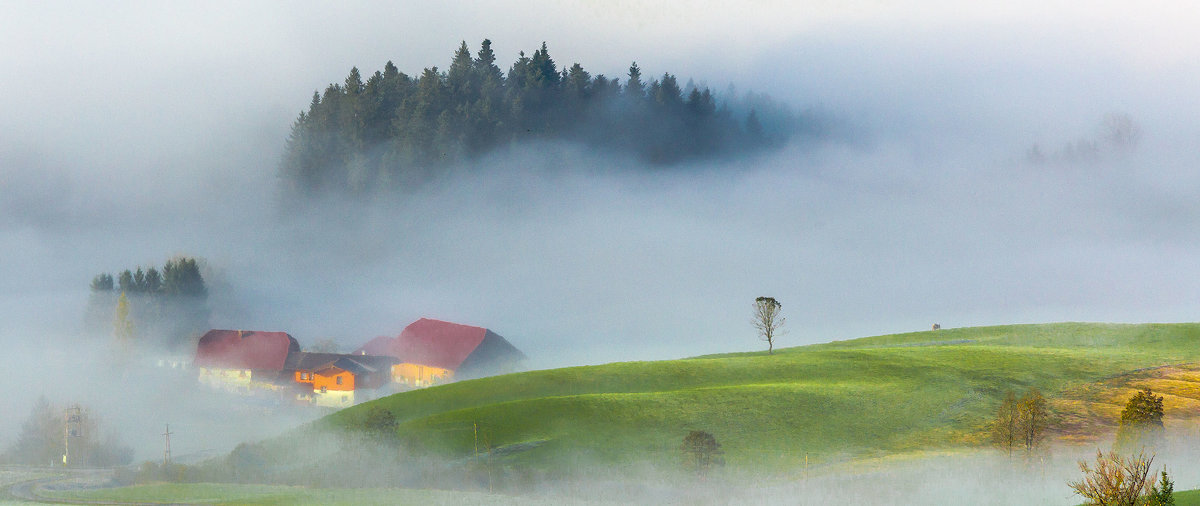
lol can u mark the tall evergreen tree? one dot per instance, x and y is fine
(634, 87)
(125, 281)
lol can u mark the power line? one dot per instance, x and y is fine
(167, 449)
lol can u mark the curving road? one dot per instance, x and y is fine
(27, 490)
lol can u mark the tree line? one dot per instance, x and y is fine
(151, 307)
(393, 130)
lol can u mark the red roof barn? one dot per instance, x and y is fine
(245, 349)
(466, 350)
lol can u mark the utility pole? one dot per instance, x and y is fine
(167, 449)
(72, 427)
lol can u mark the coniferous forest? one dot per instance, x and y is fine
(396, 131)
(151, 309)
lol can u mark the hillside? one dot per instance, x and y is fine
(851, 399)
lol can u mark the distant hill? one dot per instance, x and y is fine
(854, 399)
(395, 131)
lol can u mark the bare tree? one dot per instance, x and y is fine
(1033, 418)
(768, 321)
(1005, 430)
(1115, 480)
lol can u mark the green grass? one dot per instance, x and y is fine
(221, 493)
(1187, 498)
(847, 399)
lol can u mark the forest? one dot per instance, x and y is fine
(395, 131)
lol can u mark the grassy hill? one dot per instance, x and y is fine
(848, 399)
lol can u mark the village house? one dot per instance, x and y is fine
(431, 351)
(338, 380)
(243, 360)
(427, 352)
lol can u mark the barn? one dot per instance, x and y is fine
(434, 351)
(243, 359)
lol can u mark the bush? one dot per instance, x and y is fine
(1141, 423)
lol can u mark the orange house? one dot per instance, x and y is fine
(334, 378)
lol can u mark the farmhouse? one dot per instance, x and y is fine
(433, 351)
(242, 360)
(338, 380)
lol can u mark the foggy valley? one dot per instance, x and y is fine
(968, 165)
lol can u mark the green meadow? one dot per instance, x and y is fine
(832, 402)
(222, 493)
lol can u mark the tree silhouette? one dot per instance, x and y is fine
(768, 321)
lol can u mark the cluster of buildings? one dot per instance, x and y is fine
(427, 352)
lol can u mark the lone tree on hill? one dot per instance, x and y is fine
(768, 321)
(702, 450)
(1141, 422)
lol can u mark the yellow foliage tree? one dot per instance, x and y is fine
(122, 322)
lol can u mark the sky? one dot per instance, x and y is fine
(131, 132)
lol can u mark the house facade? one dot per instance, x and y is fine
(243, 361)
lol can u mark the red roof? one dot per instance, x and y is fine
(245, 349)
(429, 342)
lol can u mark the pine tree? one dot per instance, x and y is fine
(153, 280)
(354, 82)
(635, 89)
(125, 281)
(139, 280)
(1162, 493)
(102, 283)
(484, 65)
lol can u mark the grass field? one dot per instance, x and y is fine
(1187, 498)
(842, 400)
(221, 493)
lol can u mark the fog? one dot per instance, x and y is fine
(133, 132)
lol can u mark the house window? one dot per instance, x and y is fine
(303, 375)
(345, 398)
(324, 390)
(339, 380)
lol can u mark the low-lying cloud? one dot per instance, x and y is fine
(921, 207)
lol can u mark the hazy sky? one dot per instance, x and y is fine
(134, 131)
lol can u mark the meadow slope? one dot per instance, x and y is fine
(852, 399)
